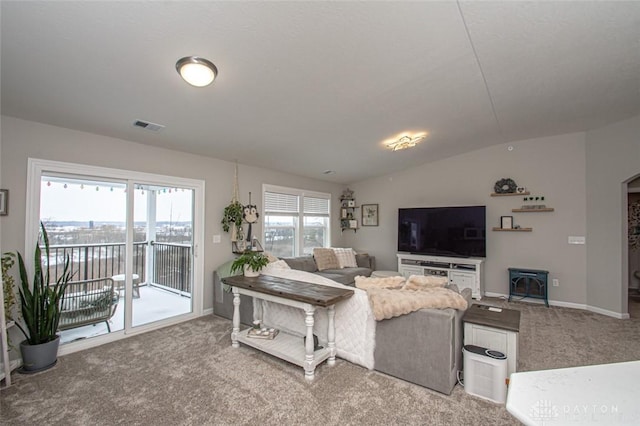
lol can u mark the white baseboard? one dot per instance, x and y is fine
(607, 312)
(562, 304)
(92, 342)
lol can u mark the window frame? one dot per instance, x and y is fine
(301, 194)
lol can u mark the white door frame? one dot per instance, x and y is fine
(35, 169)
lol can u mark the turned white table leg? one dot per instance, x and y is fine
(309, 368)
(257, 310)
(331, 335)
(236, 318)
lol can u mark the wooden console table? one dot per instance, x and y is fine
(302, 295)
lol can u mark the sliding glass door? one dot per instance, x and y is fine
(132, 246)
(163, 219)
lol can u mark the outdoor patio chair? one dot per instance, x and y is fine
(88, 302)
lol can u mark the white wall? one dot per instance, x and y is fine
(581, 176)
(553, 167)
(613, 158)
(23, 139)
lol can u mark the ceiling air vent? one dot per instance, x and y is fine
(148, 125)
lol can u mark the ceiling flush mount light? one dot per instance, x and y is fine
(196, 71)
(404, 142)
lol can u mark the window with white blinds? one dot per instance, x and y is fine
(295, 221)
(316, 206)
(276, 203)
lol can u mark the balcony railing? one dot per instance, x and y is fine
(171, 269)
(172, 265)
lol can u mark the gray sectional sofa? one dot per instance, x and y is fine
(347, 276)
(423, 347)
(223, 301)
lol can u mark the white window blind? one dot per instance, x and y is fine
(316, 206)
(275, 203)
(295, 221)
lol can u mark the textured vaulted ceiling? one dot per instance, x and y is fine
(311, 86)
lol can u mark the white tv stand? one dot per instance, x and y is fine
(465, 272)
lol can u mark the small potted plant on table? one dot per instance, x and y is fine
(250, 262)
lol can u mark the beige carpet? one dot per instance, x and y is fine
(189, 375)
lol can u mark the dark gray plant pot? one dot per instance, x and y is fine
(36, 358)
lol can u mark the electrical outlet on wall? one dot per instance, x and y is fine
(576, 240)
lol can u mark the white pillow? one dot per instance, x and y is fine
(346, 257)
(270, 257)
(325, 258)
(277, 265)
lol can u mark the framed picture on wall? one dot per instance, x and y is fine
(506, 222)
(369, 215)
(4, 202)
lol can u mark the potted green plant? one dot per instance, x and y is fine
(250, 262)
(41, 304)
(232, 216)
(8, 284)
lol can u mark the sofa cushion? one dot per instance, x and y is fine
(337, 277)
(325, 259)
(346, 276)
(346, 257)
(363, 260)
(302, 263)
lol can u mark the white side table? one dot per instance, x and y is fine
(118, 281)
(494, 328)
(384, 274)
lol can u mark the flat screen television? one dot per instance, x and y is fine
(443, 231)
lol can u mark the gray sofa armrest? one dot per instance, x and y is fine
(223, 302)
(423, 347)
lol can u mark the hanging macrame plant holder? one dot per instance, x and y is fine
(232, 216)
(235, 200)
(234, 233)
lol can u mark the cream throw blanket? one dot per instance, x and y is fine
(392, 296)
(389, 303)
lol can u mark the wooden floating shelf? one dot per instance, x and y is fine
(547, 209)
(513, 229)
(509, 194)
